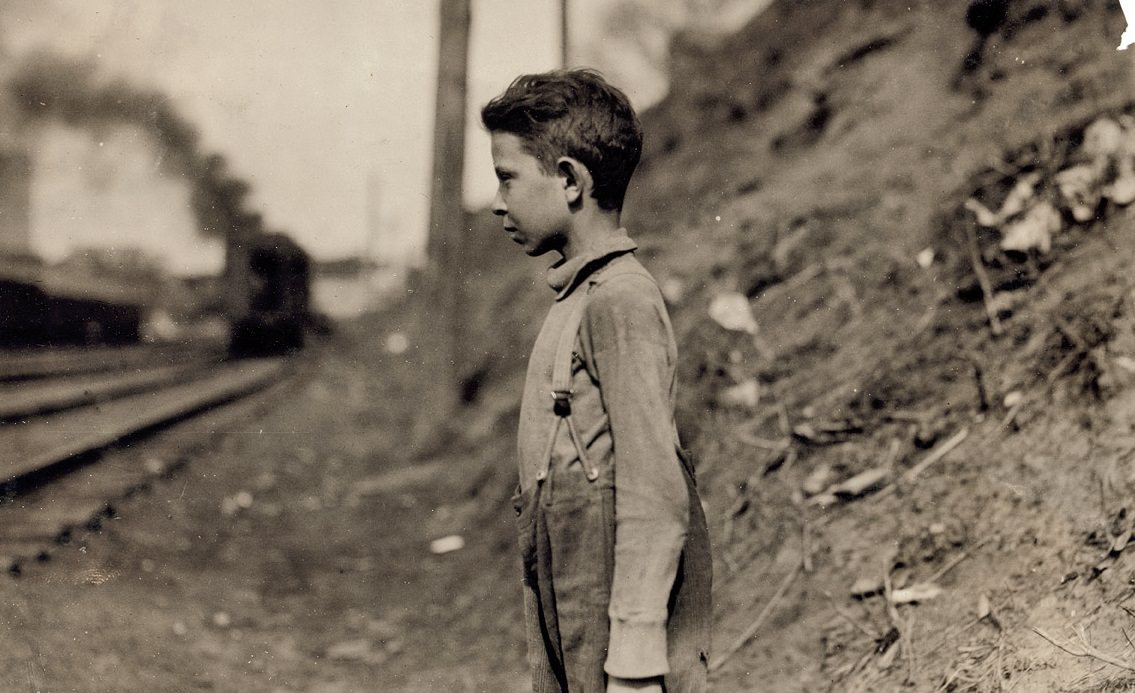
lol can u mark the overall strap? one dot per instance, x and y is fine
(562, 392)
(561, 368)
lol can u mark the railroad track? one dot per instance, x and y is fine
(21, 365)
(51, 427)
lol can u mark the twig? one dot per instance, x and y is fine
(849, 618)
(1000, 662)
(892, 453)
(790, 457)
(1011, 415)
(1085, 650)
(888, 595)
(1002, 169)
(983, 280)
(727, 531)
(1060, 367)
(953, 563)
(907, 417)
(805, 544)
(908, 647)
(887, 655)
(1072, 335)
(756, 625)
(935, 455)
(782, 419)
(802, 277)
(763, 443)
(739, 506)
(892, 457)
(979, 382)
(905, 629)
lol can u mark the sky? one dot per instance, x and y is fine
(325, 108)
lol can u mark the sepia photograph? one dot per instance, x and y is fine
(334, 338)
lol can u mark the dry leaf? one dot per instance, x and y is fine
(1122, 189)
(984, 216)
(1080, 189)
(920, 592)
(1018, 198)
(1034, 231)
(818, 480)
(983, 607)
(746, 395)
(732, 311)
(1103, 139)
(862, 482)
(453, 542)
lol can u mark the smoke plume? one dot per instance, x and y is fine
(46, 86)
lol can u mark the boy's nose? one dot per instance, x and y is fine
(498, 206)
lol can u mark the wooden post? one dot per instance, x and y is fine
(449, 127)
(447, 215)
(565, 35)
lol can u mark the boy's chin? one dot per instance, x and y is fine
(533, 250)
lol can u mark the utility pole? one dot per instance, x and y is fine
(565, 35)
(449, 125)
(447, 213)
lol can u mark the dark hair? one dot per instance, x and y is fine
(573, 113)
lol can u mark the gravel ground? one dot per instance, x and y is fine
(290, 553)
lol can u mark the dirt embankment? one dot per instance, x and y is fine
(820, 162)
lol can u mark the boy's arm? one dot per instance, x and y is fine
(632, 355)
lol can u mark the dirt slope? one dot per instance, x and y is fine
(806, 163)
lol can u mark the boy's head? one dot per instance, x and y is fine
(573, 113)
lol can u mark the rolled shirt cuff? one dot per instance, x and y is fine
(636, 650)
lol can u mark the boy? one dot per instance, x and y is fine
(616, 558)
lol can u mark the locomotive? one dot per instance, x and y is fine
(267, 287)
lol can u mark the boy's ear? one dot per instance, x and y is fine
(576, 178)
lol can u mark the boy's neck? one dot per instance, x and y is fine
(589, 231)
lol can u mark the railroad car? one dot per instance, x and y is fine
(57, 306)
(267, 291)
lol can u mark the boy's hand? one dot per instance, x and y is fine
(618, 685)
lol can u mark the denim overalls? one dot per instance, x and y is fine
(567, 520)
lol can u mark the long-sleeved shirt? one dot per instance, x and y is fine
(623, 404)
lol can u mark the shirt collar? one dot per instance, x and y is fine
(565, 275)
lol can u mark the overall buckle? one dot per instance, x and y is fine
(561, 402)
